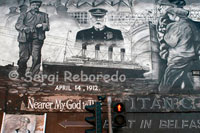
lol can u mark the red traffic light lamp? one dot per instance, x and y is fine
(119, 107)
(119, 118)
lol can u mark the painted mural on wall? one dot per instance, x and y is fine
(73, 47)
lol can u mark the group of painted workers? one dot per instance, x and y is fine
(178, 37)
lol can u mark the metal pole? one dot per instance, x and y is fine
(109, 100)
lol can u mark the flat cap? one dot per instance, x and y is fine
(178, 11)
(35, 1)
(98, 12)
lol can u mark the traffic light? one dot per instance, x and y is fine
(118, 115)
(94, 120)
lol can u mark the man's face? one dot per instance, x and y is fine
(35, 6)
(99, 22)
(24, 124)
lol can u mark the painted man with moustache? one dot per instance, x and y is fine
(99, 33)
(31, 26)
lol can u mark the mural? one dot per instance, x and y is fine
(63, 48)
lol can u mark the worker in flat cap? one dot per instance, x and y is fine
(24, 121)
(164, 19)
(99, 33)
(183, 42)
(31, 26)
(162, 23)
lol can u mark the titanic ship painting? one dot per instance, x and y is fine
(130, 57)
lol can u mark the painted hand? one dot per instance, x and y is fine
(38, 25)
(27, 29)
(164, 54)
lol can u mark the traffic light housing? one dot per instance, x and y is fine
(94, 120)
(118, 114)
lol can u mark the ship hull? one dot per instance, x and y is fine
(53, 68)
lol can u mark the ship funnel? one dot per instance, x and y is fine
(84, 48)
(110, 53)
(97, 49)
(122, 54)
